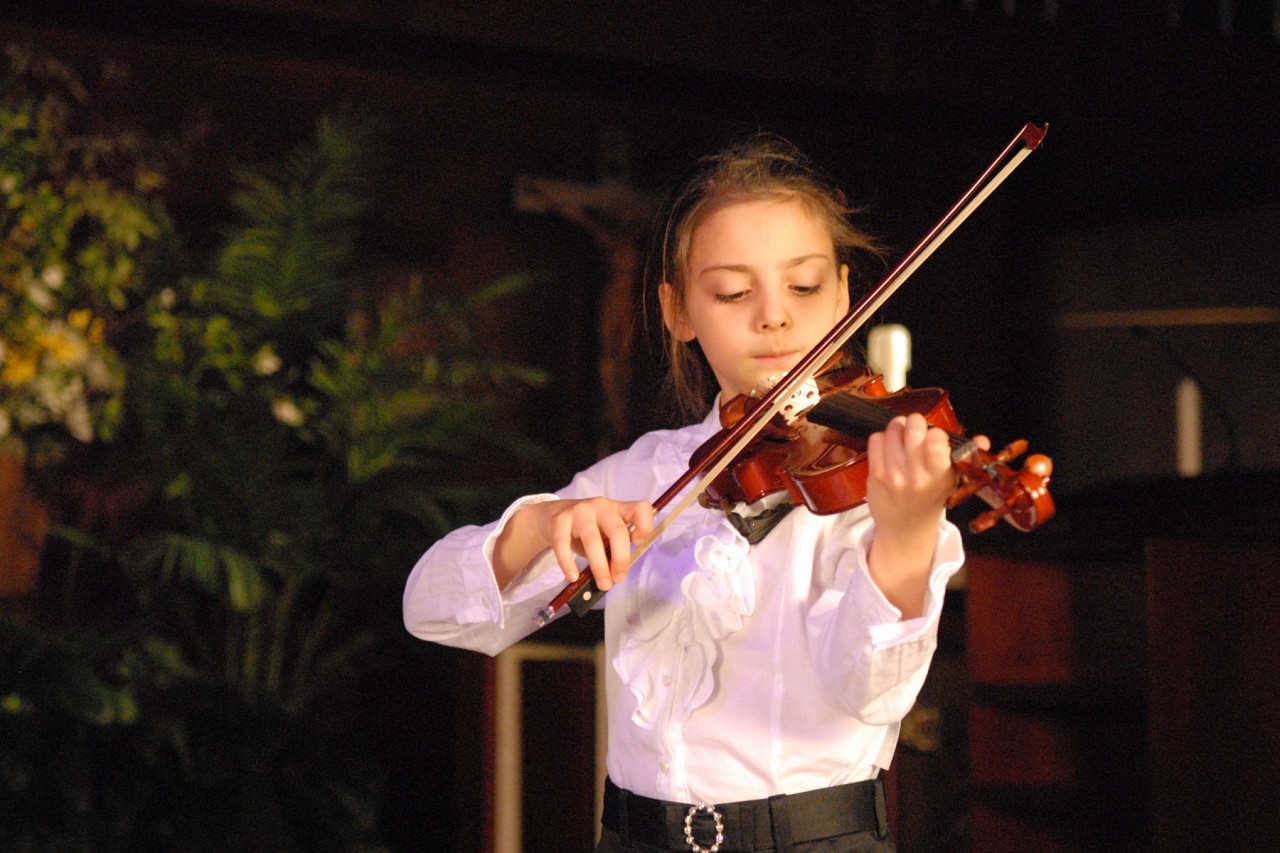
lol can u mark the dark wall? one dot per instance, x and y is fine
(905, 102)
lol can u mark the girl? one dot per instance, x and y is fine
(755, 691)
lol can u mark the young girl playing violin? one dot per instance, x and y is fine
(755, 691)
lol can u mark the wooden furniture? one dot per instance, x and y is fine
(1055, 720)
(529, 747)
(1213, 610)
(1125, 673)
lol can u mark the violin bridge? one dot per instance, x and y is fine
(802, 400)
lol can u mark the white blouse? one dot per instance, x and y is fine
(738, 672)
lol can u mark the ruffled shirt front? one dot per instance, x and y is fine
(736, 671)
(675, 621)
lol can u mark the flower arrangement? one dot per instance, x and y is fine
(78, 212)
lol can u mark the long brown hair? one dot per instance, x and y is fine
(763, 167)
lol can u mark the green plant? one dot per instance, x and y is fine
(196, 685)
(300, 439)
(79, 214)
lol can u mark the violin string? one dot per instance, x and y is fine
(848, 413)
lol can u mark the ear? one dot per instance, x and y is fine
(674, 319)
(842, 297)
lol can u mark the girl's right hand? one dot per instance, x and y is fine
(600, 529)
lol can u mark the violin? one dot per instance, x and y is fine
(988, 476)
(815, 449)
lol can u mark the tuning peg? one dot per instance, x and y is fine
(989, 518)
(1012, 450)
(966, 490)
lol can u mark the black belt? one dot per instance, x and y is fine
(770, 824)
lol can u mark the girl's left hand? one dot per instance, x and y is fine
(909, 475)
(909, 478)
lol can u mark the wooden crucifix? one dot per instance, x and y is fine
(618, 218)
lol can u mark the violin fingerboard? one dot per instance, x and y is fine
(850, 414)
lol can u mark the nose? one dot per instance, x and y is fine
(772, 313)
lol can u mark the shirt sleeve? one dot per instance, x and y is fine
(452, 596)
(874, 663)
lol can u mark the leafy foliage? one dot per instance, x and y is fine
(299, 448)
(80, 214)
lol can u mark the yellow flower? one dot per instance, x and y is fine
(79, 319)
(63, 348)
(19, 369)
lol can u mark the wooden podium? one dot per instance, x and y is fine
(1125, 674)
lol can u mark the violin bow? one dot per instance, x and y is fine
(582, 594)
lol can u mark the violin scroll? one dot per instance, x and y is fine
(1019, 497)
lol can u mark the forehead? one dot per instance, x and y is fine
(758, 231)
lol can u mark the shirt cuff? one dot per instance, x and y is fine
(884, 621)
(531, 581)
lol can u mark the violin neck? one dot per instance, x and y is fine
(850, 414)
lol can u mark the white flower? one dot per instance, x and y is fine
(287, 412)
(98, 374)
(42, 298)
(47, 394)
(266, 362)
(53, 277)
(78, 420)
(168, 298)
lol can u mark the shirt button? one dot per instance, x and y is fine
(666, 681)
(665, 767)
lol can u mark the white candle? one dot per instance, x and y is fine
(1190, 452)
(889, 354)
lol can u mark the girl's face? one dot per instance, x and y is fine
(763, 287)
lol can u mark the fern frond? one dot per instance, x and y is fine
(287, 260)
(178, 559)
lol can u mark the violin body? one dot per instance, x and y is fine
(819, 457)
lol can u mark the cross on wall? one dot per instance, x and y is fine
(618, 218)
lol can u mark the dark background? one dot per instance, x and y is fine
(1157, 187)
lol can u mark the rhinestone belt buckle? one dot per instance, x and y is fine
(688, 828)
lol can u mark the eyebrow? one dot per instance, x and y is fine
(746, 268)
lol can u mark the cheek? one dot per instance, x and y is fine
(828, 314)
